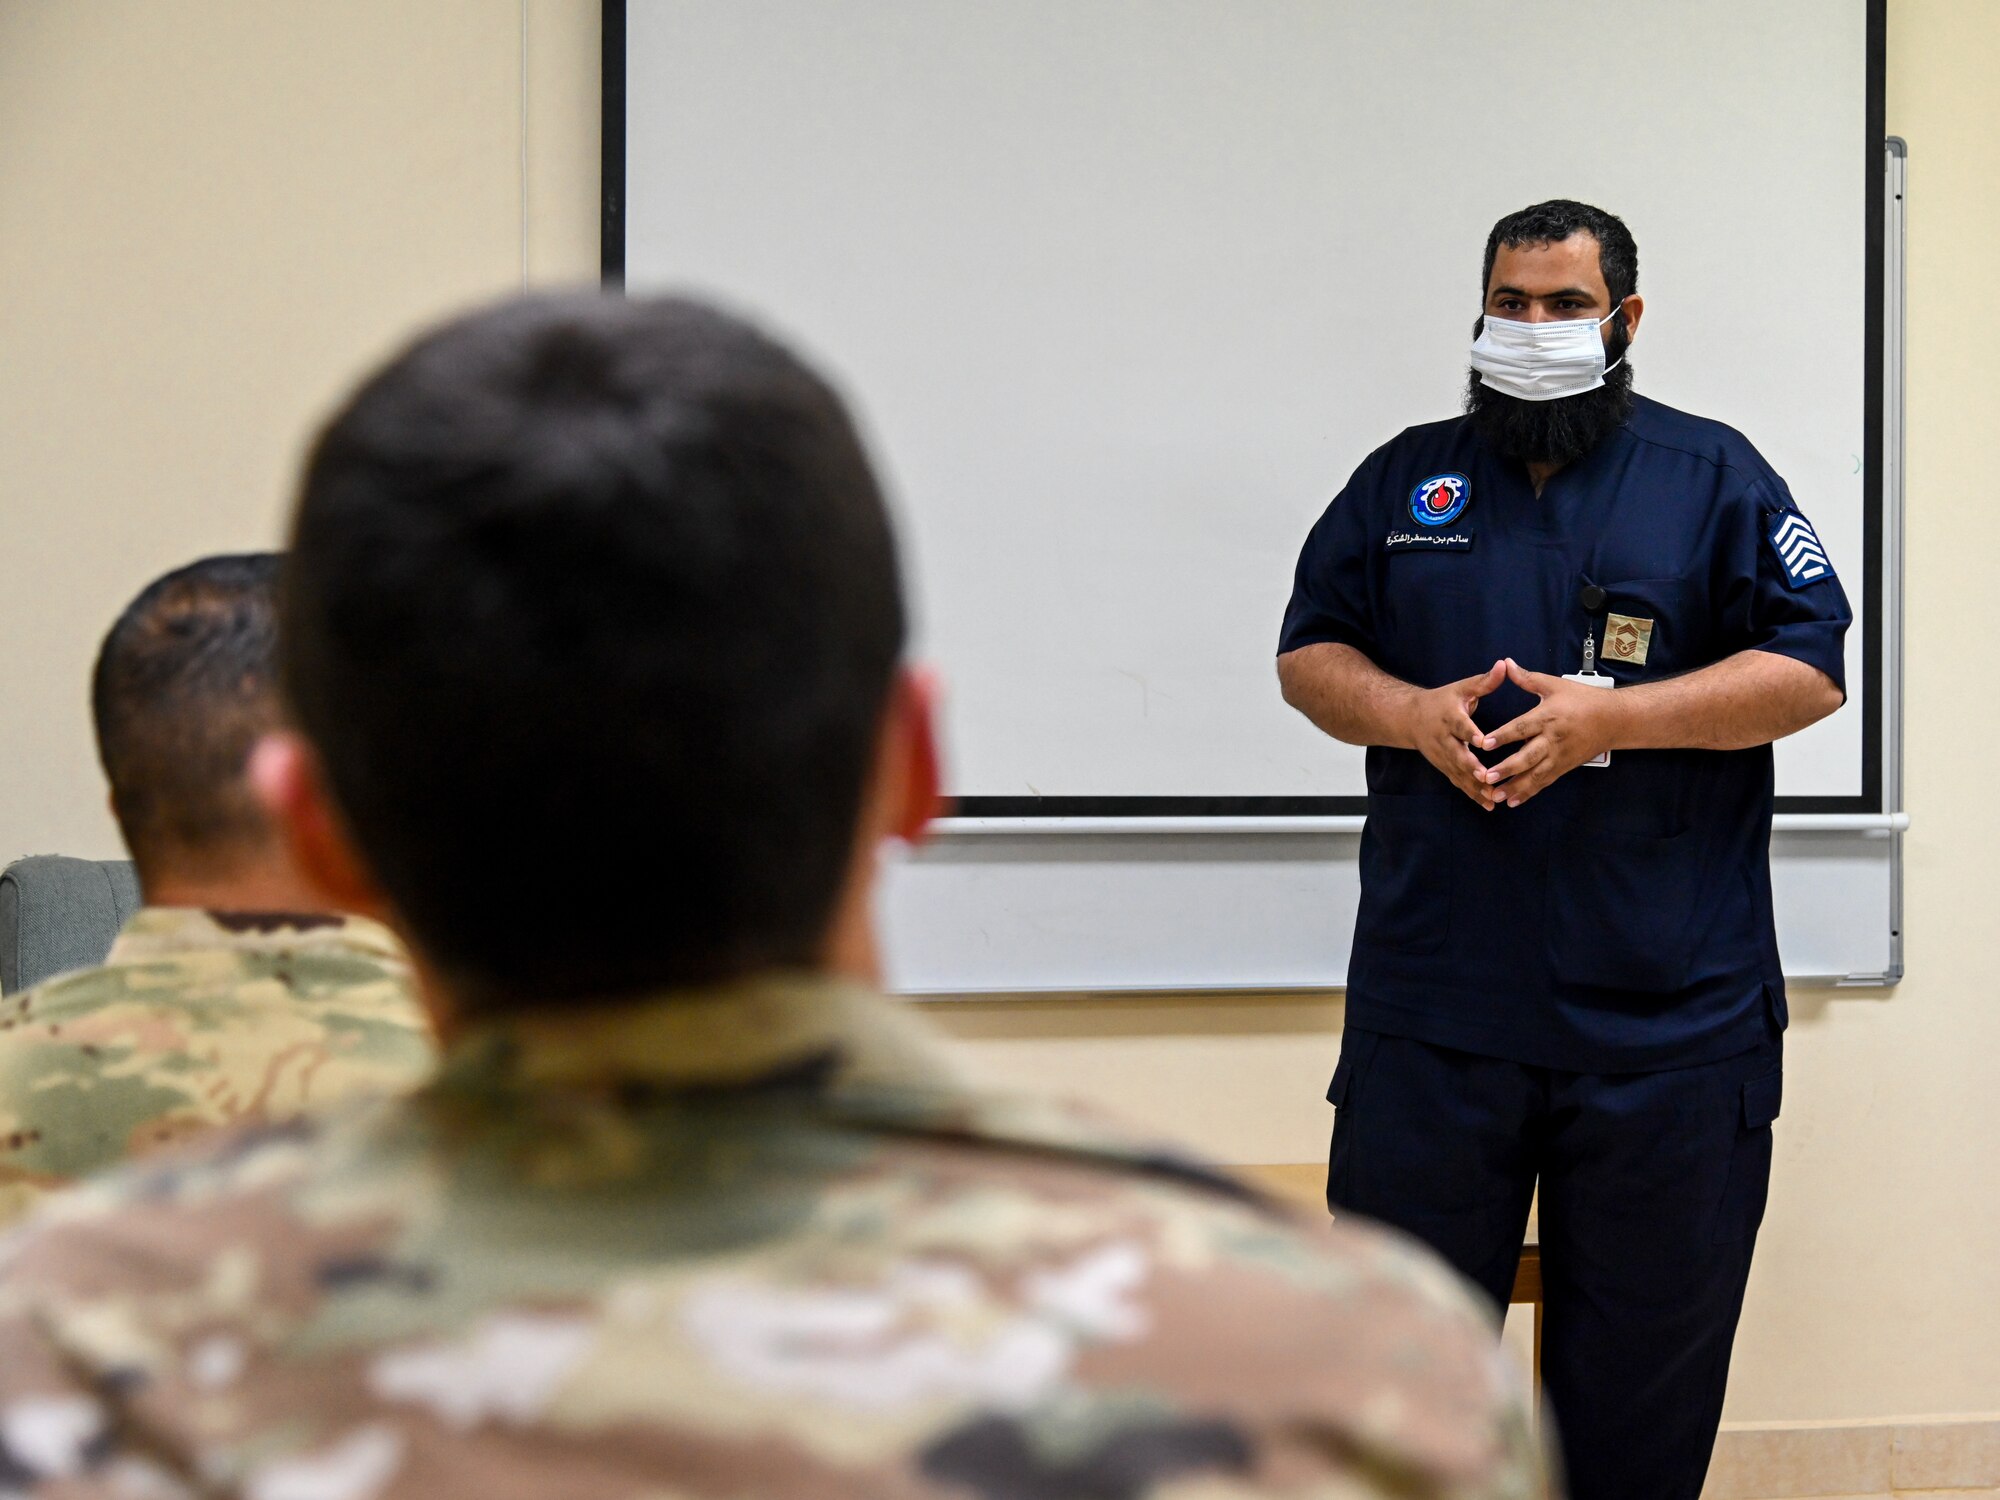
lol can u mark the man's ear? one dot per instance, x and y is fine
(1634, 308)
(287, 779)
(917, 796)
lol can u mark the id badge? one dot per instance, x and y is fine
(1596, 680)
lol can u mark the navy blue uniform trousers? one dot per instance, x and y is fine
(1652, 1190)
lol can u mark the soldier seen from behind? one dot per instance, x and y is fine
(594, 636)
(233, 992)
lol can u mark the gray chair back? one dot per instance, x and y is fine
(58, 914)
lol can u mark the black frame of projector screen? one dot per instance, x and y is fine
(612, 252)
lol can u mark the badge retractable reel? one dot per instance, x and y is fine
(1592, 599)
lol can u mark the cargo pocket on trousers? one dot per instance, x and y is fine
(1406, 873)
(1355, 1049)
(1749, 1181)
(1621, 905)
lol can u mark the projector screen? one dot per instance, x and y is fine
(1123, 290)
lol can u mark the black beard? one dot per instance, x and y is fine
(1552, 432)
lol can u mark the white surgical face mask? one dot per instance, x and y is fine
(1542, 361)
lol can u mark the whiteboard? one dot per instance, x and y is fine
(1124, 289)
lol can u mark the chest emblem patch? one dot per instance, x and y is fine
(1627, 639)
(1440, 500)
(1799, 551)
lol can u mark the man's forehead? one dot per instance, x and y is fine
(1539, 267)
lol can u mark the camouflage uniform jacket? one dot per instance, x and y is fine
(193, 1020)
(748, 1243)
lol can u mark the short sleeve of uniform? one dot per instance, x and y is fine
(1783, 592)
(1331, 599)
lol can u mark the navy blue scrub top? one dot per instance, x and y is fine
(1620, 920)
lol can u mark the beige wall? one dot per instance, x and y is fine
(212, 212)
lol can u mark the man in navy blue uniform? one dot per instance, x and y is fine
(1565, 971)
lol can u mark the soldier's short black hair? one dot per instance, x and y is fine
(185, 683)
(1556, 220)
(592, 612)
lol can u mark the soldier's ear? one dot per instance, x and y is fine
(916, 774)
(289, 782)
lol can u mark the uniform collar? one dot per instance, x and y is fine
(865, 1061)
(155, 932)
(773, 1028)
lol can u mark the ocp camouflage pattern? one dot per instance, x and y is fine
(749, 1243)
(196, 1019)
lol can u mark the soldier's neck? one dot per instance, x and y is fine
(250, 884)
(850, 951)
(1539, 473)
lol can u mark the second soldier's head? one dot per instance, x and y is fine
(184, 685)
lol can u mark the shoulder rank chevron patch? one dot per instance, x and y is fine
(1800, 554)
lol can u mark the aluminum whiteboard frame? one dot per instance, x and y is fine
(1890, 823)
(1883, 823)
(1895, 326)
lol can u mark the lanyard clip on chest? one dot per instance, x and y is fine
(1590, 676)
